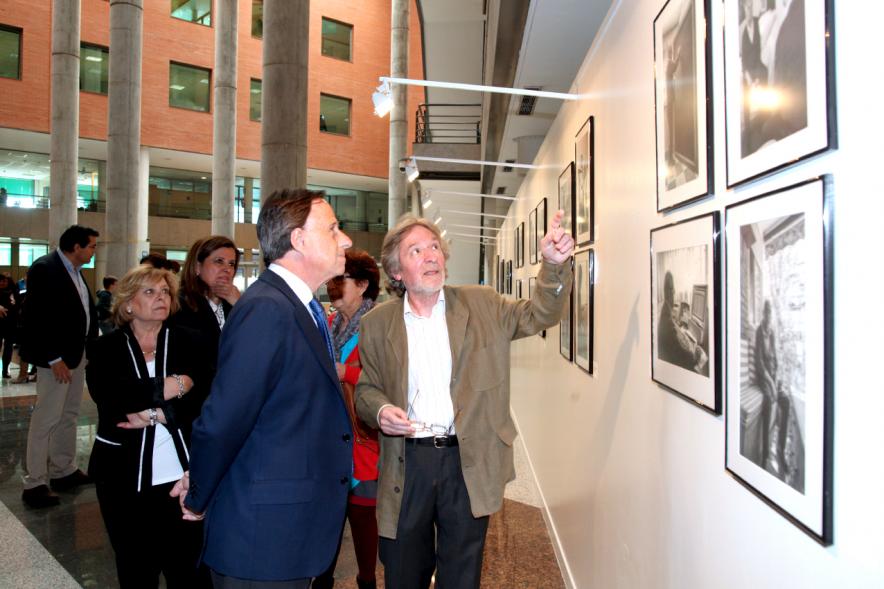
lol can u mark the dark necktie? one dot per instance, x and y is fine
(322, 324)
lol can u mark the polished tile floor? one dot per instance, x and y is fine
(66, 546)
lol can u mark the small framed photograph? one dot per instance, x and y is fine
(532, 237)
(496, 271)
(584, 164)
(520, 245)
(566, 340)
(519, 288)
(531, 286)
(566, 198)
(779, 262)
(509, 277)
(501, 276)
(685, 334)
(541, 224)
(779, 84)
(584, 263)
(683, 102)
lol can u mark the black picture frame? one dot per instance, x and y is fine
(497, 273)
(584, 287)
(683, 102)
(519, 252)
(541, 224)
(532, 237)
(685, 310)
(509, 277)
(584, 183)
(779, 264)
(779, 101)
(519, 288)
(566, 198)
(566, 324)
(501, 276)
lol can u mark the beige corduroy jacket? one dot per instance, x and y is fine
(481, 325)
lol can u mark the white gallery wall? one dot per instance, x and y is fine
(633, 477)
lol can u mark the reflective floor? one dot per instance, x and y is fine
(66, 546)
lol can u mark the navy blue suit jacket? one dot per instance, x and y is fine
(271, 452)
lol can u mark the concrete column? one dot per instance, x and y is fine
(224, 119)
(65, 126)
(284, 95)
(397, 184)
(360, 214)
(415, 204)
(126, 234)
(248, 199)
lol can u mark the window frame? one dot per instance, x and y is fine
(260, 104)
(352, 44)
(196, 67)
(21, 35)
(211, 15)
(106, 51)
(252, 21)
(349, 132)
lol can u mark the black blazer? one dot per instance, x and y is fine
(53, 318)
(125, 456)
(202, 321)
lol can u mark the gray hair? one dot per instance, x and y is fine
(392, 241)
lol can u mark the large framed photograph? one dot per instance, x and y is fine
(520, 245)
(532, 284)
(779, 84)
(519, 288)
(685, 333)
(566, 198)
(584, 265)
(532, 236)
(501, 272)
(584, 177)
(683, 102)
(541, 224)
(779, 261)
(566, 324)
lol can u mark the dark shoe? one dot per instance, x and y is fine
(73, 480)
(39, 497)
(366, 584)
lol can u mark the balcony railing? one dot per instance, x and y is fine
(448, 123)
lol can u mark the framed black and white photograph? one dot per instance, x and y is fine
(519, 288)
(520, 245)
(778, 259)
(501, 273)
(584, 178)
(584, 263)
(685, 334)
(566, 324)
(683, 102)
(531, 286)
(779, 84)
(566, 198)
(509, 277)
(532, 237)
(541, 225)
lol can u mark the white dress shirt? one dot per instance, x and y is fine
(429, 368)
(298, 286)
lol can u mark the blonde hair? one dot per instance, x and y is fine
(135, 280)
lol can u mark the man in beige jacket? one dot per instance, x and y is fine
(435, 381)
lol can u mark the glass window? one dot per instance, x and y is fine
(5, 254)
(255, 100)
(258, 18)
(177, 255)
(336, 39)
(10, 52)
(334, 114)
(28, 252)
(93, 68)
(198, 11)
(189, 87)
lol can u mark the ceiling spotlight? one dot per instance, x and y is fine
(428, 203)
(382, 99)
(411, 171)
(437, 220)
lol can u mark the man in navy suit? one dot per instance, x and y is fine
(271, 453)
(58, 316)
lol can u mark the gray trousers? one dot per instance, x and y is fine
(52, 436)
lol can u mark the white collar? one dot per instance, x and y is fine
(408, 310)
(298, 286)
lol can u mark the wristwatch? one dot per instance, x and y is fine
(152, 415)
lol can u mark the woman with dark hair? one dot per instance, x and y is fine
(353, 294)
(207, 290)
(9, 306)
(148, 381)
